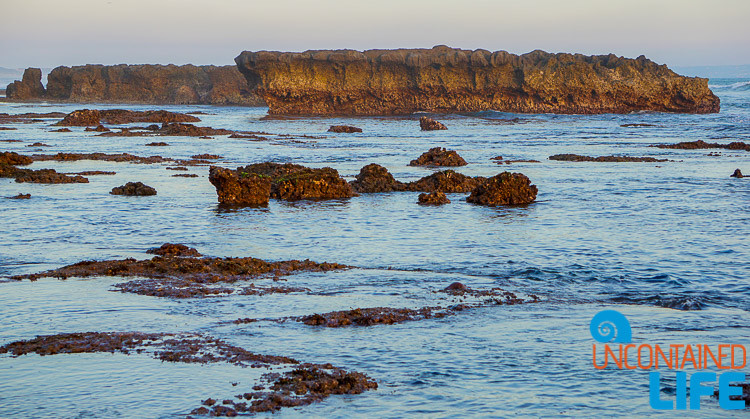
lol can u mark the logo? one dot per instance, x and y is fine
(612, 326)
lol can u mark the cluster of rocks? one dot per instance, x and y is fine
(700, 144)
(257, 184)
(8, 169)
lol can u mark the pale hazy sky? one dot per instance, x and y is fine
(48, 33)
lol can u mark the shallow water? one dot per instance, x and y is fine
(667, 244)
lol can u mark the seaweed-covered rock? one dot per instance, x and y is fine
(171, 249)
(324, 183)
(429, 124)
(94, 117)
(447, 181)
(433, 198)
(134, 189)
(439, 156)
(375, 178)
(504, 189)
(14, 159)
(344, 129)
(240, 188)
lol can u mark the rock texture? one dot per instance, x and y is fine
(257, 183)
(504, 189)
(134, 189)
(234, 188)
(429, 124)
(433, 198)
(443, 79)
(153, 84)
(439, 156)
(30, 86)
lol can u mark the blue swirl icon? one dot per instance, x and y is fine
(610, 325)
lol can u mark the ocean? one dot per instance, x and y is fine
(667, 244)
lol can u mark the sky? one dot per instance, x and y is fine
(48, 33)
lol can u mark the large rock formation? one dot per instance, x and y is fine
(152, 84)
(442, 79)
(30, 86)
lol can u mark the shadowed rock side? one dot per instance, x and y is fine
(153, 84)
(30, 86)
(443, 79)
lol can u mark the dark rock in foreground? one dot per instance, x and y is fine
(700, 144)
(443, 79)
(429, 124)
(235, 188)
(375, 178)
(438, 156)
(433, 198)
(344, 129)
(737, 173)
(604, 159)
(504, 189)
(154, 84)
(134, 189)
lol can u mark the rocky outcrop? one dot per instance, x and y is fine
(700, 145)
(236, 188)
(153, 84)
(94, 117)
(30, 86)
(439, 156)
(504, 189)
(443, 79)
(257, 183)
(429, 124)
(433, 198)
(375, 178)
(134, 189)
(446, 181)
(348, 129)
(737, 173)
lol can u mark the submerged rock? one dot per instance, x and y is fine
(429, 124)
(433, 198)
(604, 159)
(700, 144)
(737, 173)
(238, 188)
(134, 189)
(439, 156)
(443, 79)
(375, 178)
(344, 129)
(20, 196)
(504, 189)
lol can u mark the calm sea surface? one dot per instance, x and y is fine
(667, 244)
